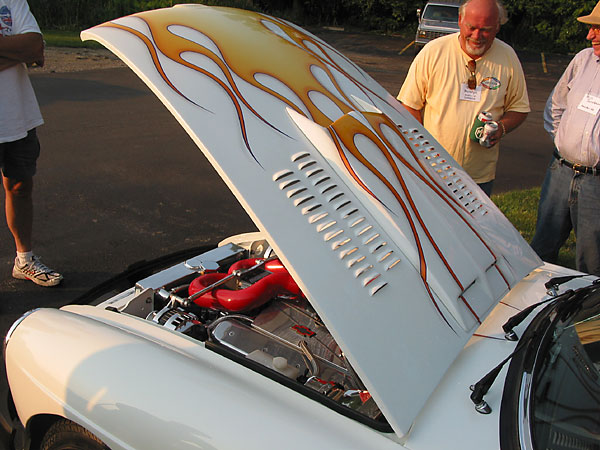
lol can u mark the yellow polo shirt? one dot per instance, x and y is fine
(434, 82)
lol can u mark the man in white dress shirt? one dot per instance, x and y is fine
(570, 197)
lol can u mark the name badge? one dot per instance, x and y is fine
(470, 95)
(590, 104)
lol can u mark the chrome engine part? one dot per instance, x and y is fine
(284, 334)
(287, 329)
(176, 319)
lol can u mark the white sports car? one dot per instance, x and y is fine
(385, 303)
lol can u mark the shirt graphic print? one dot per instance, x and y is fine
(5, 21)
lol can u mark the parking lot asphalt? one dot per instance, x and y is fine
(120, 181)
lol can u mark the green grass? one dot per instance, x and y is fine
(61, 38)
(521, 209)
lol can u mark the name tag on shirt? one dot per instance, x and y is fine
(590, 104)
(470, 95)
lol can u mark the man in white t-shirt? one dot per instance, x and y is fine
(21, 44)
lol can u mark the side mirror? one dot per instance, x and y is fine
(419, 14)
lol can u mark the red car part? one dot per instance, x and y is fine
(277, 281)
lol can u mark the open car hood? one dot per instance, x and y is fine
(394, 245)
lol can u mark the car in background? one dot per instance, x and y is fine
(380, 299)
(437, 19)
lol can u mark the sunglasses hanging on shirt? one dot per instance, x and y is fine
(472, 81)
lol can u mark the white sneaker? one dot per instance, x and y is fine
(37, 272)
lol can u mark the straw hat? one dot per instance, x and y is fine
(593, 18)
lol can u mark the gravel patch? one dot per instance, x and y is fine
(64, 59)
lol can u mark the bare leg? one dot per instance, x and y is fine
(19, 210)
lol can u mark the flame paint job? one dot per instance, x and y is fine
(292, 52)
(312, 146)
(293, 59)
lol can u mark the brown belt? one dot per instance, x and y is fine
(577, 167)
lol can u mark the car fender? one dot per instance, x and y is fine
(128, 376)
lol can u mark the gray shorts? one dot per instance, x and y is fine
(18, 159)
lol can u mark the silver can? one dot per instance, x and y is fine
(488, 129)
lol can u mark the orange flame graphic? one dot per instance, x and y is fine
(293, 58)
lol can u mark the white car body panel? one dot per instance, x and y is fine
(410, 267)
(105, 377)
(100, 370)
(377, 224)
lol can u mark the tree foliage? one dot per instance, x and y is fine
(80, 14)
(549, 25)
(545, 25)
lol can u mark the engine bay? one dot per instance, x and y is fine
(239, 300)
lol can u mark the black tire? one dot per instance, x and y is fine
(67, 435)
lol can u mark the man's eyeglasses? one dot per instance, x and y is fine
(472, 81)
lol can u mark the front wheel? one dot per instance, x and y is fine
(67, 435)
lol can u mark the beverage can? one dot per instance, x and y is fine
(488, 129)
(477, 129)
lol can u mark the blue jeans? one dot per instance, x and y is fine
(487, 187)
(569, 200)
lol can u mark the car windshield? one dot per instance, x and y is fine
(566, 385)
(441, 13)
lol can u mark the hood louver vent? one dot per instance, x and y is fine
(445, 171)
(358, 244)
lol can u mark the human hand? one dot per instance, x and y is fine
(495, 137)
(38, 63)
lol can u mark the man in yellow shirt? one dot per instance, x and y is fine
(456, 77)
